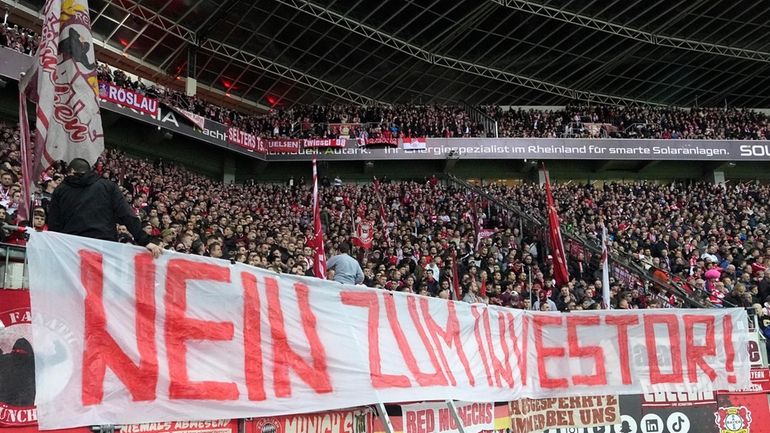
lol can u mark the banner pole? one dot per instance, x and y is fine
(453, 410)
(385, 418)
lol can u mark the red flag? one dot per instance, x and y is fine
(458, 293)
(362, 233)
(62, 82)
(383, 215)
(476, 222)
(317, 241)
(554, 236)
(605, 268)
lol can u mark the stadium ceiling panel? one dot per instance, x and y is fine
(509, 52)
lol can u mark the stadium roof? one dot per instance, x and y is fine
(508, 52)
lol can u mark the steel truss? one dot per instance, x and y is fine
(222, 49)
(457, 64)
(632, 33)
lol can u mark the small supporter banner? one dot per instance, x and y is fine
(760, 382)
(363, 234)
(17, 364)
(213, 426)
(196, 119)
(756, 346)
(128, 98)
(437, 418)
(337, 421)
(283, 145)
(325, 142)
(245, 140)
(378, 141)
(417, 143)
(538, 415)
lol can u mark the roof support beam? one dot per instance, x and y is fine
(632, 33)
(457, 64)
(284, 72)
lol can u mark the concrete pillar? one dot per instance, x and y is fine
(191, 84)
(541, 176)
(228, 169)
(717, 177)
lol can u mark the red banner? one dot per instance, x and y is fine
(742, 413)
(343, 421)
(245, 140)
(283, 145)
(325, 142)
(128, 98)
(17, 366)
(213, 426)
(363, 234)
(379, 141)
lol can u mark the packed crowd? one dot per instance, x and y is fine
(574, 121)
(18, 38)
(709, 238)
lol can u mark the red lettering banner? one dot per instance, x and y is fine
(245, 140)
(283, 145)
(325, 142)
(342, 421)
(159, 340)
(213, 426)
(437, 417)
(128, 98)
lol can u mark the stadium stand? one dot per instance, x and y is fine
(682, 232)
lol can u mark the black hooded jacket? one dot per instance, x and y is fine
(87, 205)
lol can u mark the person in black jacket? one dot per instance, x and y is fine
(87, 205)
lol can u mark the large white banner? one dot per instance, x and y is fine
(186, 338)
(437, 418)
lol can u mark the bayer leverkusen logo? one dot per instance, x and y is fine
(733, 419)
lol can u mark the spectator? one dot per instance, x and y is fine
(346, 269)
(86, 205)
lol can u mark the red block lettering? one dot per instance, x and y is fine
(577, 351)
(403, 345)
(544, 352)
(520, 345)
(623, 323)
(180, 329)
(252, 338)
(284, 357)
(450, 335)
(671, 322)
(477, 334)
(411, 422)
(502, 368)
(694, 353)
(101, 350)
(379, 379)
(428, 379)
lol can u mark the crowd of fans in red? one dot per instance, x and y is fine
(712, 239)
(410, 120)
(18, 38)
